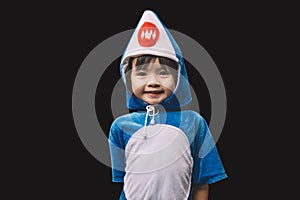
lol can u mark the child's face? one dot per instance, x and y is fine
(152, 82)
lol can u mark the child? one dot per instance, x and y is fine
(160, 151)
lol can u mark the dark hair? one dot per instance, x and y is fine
(146, 59)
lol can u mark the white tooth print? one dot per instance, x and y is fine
(147, 34)
(143, 34)
(154, 35)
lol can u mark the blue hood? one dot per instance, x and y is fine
(163, 44)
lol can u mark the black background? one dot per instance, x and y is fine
(46, 43)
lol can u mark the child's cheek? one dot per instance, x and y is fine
(137, 88)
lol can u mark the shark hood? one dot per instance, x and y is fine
(152, 37)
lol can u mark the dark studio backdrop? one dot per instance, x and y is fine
(57, 37)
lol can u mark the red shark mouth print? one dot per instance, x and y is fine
(148, 34)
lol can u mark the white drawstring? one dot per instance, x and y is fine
(149, 108)
(147, 114)
(153, 112)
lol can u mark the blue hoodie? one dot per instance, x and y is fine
(160, 151)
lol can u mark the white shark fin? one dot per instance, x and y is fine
(149, 37)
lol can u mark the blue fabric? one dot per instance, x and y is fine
(206, 170)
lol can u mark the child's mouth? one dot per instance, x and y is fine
(154, 93)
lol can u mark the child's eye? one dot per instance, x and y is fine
(164, 73)
(141, 74)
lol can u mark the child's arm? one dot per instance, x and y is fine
(201, 192)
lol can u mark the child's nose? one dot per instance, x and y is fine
(153, 81)
(153, 84)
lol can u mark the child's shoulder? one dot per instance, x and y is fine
(124, 119)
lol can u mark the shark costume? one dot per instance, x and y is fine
(159, 151)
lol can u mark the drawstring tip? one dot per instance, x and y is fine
(152, 121)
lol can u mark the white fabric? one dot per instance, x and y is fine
(162, 47)
(158, 167)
